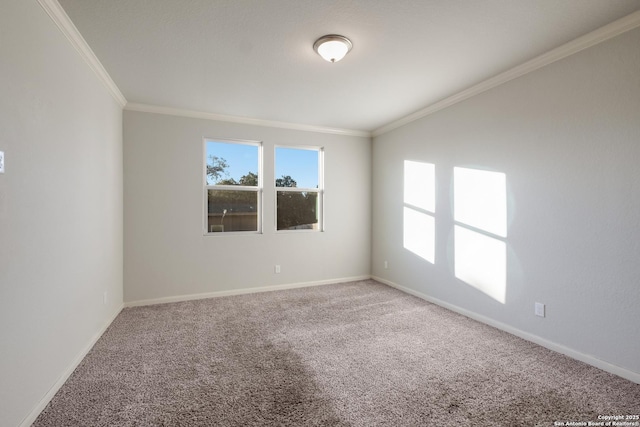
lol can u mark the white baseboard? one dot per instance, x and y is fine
(31, 417)
(559, 348)
(593, 361)
(35, 412)
(216, 294)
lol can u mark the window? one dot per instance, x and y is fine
(299, 188)
(419, 229)
(480, 214)
(233, 186)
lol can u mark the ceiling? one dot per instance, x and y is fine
(254, 58)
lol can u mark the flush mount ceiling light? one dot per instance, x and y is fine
(332, 47)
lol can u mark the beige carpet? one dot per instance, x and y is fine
(354, 354)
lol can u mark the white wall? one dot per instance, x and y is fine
(568, 139)
(166, 253)
(60, 208)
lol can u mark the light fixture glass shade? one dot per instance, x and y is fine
(332, 47)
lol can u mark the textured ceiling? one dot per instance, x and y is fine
(254, 58)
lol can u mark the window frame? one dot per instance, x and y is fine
(320, 190)
(259, 189)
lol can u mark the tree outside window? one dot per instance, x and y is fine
(299, 188)
(233, 190)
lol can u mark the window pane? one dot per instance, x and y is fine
(232, 163)
(230, 210)
(296, 168)
(297, 210)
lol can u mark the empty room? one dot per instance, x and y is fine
(319, 213)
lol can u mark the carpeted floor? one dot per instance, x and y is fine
(354, 354)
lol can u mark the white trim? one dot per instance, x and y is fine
(259, 190)
(35, 412)
(297, 189)
(66, 26)
(605, 366)
(216, 294)
(600, 35)
(63, 22)
(558, 348)
(320, 190)
(156, 109)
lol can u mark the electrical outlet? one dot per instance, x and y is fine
(1, 161)
(277, 269)
(386, 265)
(539, 309)
(104, 298)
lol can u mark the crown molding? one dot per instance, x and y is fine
(63, 22)
(156, 109)
(593, 38)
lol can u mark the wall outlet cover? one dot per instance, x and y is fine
(1, 161)
(539, 309)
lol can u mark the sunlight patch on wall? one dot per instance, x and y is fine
(419, 229)
(480, 199)
(480, 213)
(419, 234)
(419, 185)
(481, 261)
